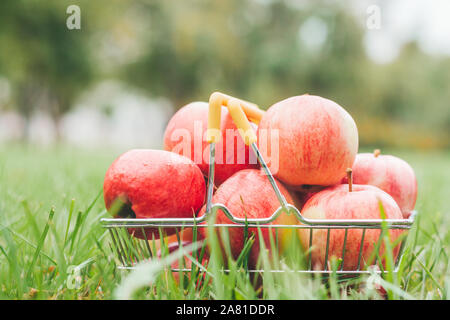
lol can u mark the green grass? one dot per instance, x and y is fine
(51, 203)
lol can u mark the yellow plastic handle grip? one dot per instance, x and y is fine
(239, 111)
(240, 119)
(216, 101)
(252, 111)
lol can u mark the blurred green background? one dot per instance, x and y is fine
(68, 86)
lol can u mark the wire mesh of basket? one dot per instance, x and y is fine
(131, 250)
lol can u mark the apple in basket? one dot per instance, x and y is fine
(348, 201)
(186, 134)
(389, 173)
(248, 193)
(144, 183)
(317, 140)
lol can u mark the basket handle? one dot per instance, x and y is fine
(240, 111)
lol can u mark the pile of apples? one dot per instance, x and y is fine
(318, 169)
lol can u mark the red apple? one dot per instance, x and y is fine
(389, 173)
(154, 184)
(308, 140)
(185, 134)
(248, 193)
(338, 202)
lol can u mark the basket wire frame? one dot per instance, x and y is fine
(131, 250)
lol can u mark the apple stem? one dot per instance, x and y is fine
(376, 152)
(350, 179)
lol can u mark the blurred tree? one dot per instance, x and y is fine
(47, 64)
(248, 48)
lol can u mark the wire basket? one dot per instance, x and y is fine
(131, 250)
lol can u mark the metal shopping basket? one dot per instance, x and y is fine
(131, 250)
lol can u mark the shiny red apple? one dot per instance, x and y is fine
(308, 140)
(248, 193)
(337, 202)
(389, 173)
(146, 183)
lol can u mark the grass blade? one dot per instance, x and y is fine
(41, 241)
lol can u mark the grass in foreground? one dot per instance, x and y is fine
(51, 202)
